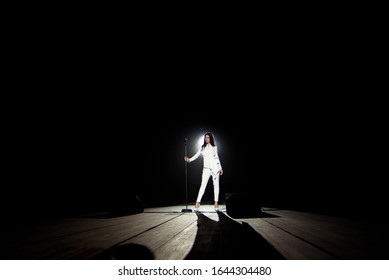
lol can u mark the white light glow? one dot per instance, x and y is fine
(200, 142)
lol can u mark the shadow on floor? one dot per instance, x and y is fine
(230, 240)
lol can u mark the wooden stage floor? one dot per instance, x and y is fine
(167, 233)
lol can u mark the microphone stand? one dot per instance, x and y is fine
(186, 209)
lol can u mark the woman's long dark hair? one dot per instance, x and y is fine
(212, 140)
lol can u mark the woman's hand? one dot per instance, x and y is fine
(186, 159)
(221, 171)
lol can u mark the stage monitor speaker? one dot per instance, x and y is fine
(242, 205)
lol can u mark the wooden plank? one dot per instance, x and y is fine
(338, 237)
(289, 246)
(170, 234)
(90, 234)
(226, 238)
(177, 248)
(158, 239)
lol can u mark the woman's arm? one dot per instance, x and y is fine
(196, 155)
(218, 161)
(217, 158)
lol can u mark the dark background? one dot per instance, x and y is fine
(97, 115)
(75, 156)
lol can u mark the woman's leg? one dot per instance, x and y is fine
(204, 180)
(215, 179)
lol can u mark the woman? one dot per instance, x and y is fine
(211, 167)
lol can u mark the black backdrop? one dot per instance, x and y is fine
(84, 158)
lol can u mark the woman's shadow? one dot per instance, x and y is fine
(229, 240)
